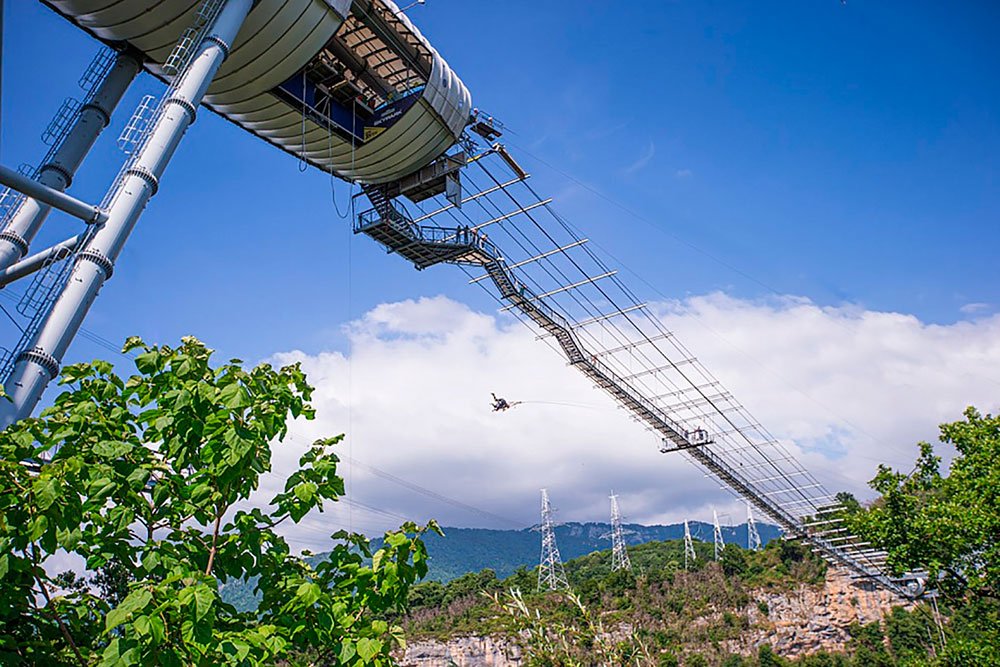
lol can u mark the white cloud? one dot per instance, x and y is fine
(642, 161)
(975, 308)
(851, 387)
(683, 173)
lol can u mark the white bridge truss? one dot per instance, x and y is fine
(512, 242)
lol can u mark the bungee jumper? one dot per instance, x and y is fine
(501, 404)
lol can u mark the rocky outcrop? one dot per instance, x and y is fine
(462, 652)
(811, 619)
(803, 621)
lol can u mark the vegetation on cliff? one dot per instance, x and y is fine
(664, 615)
(944, 523)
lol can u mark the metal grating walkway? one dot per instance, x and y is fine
(556, 284)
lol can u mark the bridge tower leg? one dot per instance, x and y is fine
(40, 361)
(58, 172)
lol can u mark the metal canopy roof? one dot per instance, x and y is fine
(371, 43)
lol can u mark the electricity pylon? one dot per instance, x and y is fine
(619, 554)
(551, 575)
(753, 537)
(717, 535)
(689, 554)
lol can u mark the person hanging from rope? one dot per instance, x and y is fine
(501, 404)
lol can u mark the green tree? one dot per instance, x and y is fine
(734, 560)
(867, 645)
(766, 657)
(910, 633)
(147, 480)
(947, 524)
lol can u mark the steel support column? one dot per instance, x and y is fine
(39, 363)
(57, 173)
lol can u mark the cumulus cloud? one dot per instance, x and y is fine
(850, 387)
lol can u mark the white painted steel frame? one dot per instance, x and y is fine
(57, 173)
(39, 363)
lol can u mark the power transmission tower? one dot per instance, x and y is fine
(753, 537)
(619, 554)
(551, 575)
(717, 535)
(689, 554)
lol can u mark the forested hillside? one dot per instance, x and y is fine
(468, 550)
(464, 550)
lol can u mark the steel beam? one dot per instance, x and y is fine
(49, 197)
(39, 362)
(57, 173)
(31, 264)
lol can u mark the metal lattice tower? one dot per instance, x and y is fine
(689, 554)
(717, 535)
(753, 537)
(551, 574)
(619, 554)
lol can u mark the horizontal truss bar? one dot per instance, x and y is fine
(508, 216)
(566, 288)
(534, 259)
(428, 216)
(54, 198)
(608, 316)
(29, 265)
(632, 346)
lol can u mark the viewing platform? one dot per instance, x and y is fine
(424, 245)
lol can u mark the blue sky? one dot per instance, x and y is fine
(841, 153)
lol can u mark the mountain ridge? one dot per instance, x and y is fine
(464, 550)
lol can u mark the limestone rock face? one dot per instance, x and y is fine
(812, 619)
(462, 652)
(806, 620)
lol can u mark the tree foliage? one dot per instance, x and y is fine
(146, 479)
(946, 524)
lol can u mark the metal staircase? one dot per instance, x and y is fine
(423, 245)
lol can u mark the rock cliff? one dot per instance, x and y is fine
(805, 620)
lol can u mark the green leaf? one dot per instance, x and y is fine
(369, 648)
(137, 478)
(46, 490)
(305, 491)
(136, 600)
(347, 651)
(112, 449)
(37, 527)
(204, 597)
(308, 593)
(233, 396)
(114, 618)
(147, 363)
(150, 560)
(131, 343)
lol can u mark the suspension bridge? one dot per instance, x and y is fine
(353, 88)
